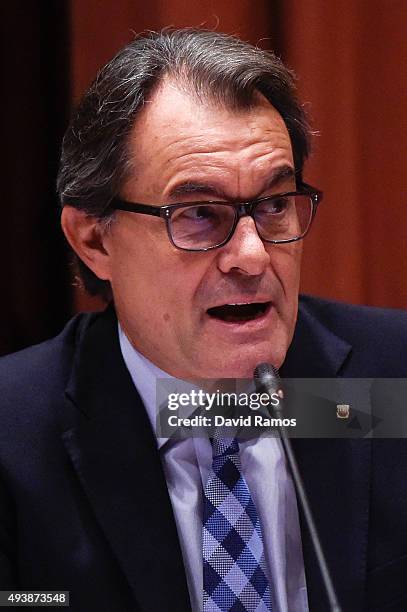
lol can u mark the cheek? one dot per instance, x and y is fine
(156, 279)
(286, 263)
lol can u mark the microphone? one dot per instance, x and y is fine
(267, 380)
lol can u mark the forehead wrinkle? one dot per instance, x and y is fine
(197, 185)
(209, 144)
(216, 159)
(214, 135)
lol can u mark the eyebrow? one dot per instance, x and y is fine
(197, 187)
(281, 174)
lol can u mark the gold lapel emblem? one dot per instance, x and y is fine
(342, 411)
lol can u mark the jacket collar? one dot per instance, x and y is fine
(114, 452)
(315, 351)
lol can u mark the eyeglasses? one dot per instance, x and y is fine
(201, 226)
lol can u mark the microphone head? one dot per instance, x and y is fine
(266, 377)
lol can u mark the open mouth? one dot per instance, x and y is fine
(239, 313)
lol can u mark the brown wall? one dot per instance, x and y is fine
(100, 28)
(351, 60)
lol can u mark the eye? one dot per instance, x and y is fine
(279, 205)
(201, 224)
(199, 213)
(274, 206)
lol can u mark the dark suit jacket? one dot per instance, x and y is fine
(83, 500)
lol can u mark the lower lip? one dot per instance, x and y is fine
(245, 327)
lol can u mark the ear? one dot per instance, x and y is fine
(86, 236)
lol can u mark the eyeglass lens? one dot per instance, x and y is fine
(202, 226)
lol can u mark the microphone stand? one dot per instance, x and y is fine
(267, 379)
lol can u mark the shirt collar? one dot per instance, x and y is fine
(144, 375)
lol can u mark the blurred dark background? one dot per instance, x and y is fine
(350, 57)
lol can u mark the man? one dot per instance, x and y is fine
(174, 180)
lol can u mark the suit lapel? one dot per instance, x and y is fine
(336, 475)
(114, 452)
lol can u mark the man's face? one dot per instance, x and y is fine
(183, 151)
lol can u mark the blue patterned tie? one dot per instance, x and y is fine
(234, 574)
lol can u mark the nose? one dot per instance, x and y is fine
(245, 252)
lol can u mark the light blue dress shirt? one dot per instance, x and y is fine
(187, 463)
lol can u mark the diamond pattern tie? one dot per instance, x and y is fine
(234, 573)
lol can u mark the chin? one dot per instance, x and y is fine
(243, 363)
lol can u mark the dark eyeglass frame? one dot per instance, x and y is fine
(241, 209)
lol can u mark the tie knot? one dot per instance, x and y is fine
(224, 446)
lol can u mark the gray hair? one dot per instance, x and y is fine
(217, 67)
